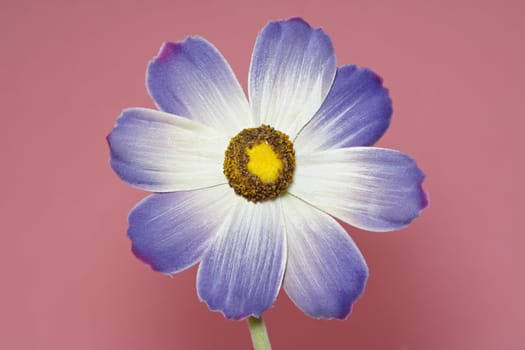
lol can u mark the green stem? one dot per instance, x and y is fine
(259, 335)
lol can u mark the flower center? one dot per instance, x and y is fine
(264, 162)
(259, 163)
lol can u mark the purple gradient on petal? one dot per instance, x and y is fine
(192, 79)
(125, 140)
(401, 178)
(167, 230)
(149, 150)
(292, 70)
(356, 112)
(241, 274)
(375, 189)
(325, 272)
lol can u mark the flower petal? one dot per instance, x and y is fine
(241, 274)
(171, 231)
(161, 152)
(325, 272)
(192, 79)
(292, 70)
(375, 189)
(356, 112)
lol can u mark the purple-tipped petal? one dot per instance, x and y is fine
(161, 152)
(356, 112)
(192, 79)
(325, 272)
(241, 273)
(375, 189)
(291, 72)
(171, 231)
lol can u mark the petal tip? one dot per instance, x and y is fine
(374, 75)
(296, 19)
(153, 265)
(110, 134)
(167, 49)
(424, 197)
(139, 255)
(228, 314)
(288, 20)
(147, 261)
(231, 311)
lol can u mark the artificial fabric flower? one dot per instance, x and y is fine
(250, 189)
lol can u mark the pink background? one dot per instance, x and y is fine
(452, 280)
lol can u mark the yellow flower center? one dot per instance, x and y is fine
(264, 162)
(259, 163)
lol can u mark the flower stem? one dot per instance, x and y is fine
(259, 335)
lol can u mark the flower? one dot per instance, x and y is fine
(250, 190)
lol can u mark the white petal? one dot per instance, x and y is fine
(356, 112)
(161, 152)
(241, 273)
(292, 70)
(325, 272)
(171, 231)
(371, 188)
(192, 79)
